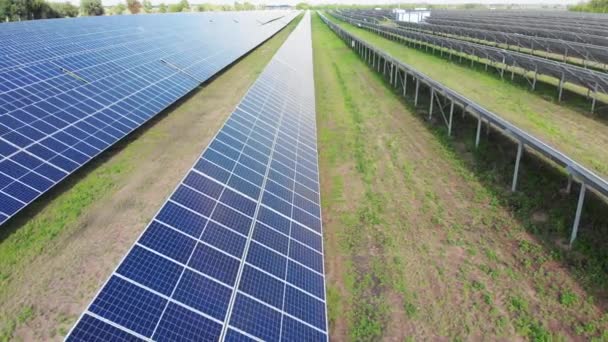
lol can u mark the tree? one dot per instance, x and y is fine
(185, 5)
(162, 8)
(598, 6)
(182, 6)
(65, 9)
(148, 6)
(302, 6)
(134, 6)
(119, 9)
(4, 10)
(91, 7)
(246, 6)
(206, 7)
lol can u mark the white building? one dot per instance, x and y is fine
(412, 16)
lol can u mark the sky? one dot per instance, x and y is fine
(293, 2)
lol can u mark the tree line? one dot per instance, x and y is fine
(597, 6)
(17, 10)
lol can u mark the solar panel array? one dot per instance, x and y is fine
(71, 88)
(236, 252)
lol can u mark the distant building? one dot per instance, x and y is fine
(412, 16)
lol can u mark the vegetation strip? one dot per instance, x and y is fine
(392, 69)
(562, 128)
(460, 256)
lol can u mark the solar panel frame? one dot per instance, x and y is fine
(244, 295)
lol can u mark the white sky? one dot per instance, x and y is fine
(293, 2)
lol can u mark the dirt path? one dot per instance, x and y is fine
(418, 246)
(45, 293)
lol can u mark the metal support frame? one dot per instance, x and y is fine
(520, 147)
(579, 209)
(521, 144)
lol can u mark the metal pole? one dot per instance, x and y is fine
(404, 82)
(416, 96)
(478, 130)
(569, 186)
(561, 88)
(451, 116)
(579, 209)
(431, 106)
(516, 172)
(593, 99)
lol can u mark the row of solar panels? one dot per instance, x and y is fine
(236, 252)
(596, 81)
(85, 83)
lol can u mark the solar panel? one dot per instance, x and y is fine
(236, 252)
(71, 88)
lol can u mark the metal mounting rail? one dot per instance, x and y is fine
(575, 171)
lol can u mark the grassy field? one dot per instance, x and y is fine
(66, 244)
(423, 239)
(567, 127)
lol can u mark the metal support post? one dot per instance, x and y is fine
(450, 121)
(431, 105)
(478, 130)
(593, 98)
(520, 147)
(416, 96)
(561, 88)
(579, 209)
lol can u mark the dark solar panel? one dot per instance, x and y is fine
(234, 260)
(71, 88)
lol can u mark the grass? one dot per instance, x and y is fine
(58, 216)
(568, 127)
(423, 238)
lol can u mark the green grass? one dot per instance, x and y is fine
(568, 128)
(442, 240)
(21, 243)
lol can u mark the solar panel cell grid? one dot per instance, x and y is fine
(236, 252)
(67, 98)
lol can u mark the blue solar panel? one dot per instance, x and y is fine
(71, 88)
(219, 261)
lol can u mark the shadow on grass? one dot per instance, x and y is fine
(42, 202)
